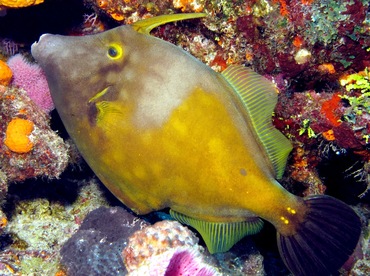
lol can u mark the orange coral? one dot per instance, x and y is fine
(61, 273)
(188, 5)
(219, 61)
(117, 16)
(3, 222)
(327, 68)
(102, 3)
(329, 135)
(298, 41)
(329, 107)
(17, 133)
(306, 2)
(5, 73)
(283, 7)
(19, 3)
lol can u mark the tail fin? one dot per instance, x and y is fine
(324, 241)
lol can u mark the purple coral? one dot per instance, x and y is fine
(185, 263)
(31, 78)
(95, 248)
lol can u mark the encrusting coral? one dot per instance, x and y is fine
(40, 226)
(95, 248)
(5, 74)
(19, 3)
(165, 248)
(28, 146)
(16, 137)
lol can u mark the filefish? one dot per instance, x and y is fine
(162, 130)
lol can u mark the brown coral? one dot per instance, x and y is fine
(155, 240)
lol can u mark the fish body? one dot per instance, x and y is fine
(161, 129)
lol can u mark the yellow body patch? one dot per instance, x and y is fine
(199, 148)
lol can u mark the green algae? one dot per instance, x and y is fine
(327, 15)
(34, 266)
(358, 96)
(41, 223)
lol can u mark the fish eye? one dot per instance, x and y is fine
(115, 51)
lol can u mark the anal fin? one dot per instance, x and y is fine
(221, 236)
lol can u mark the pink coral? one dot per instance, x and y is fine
(31, 78)
(186, 263)
(165, 248)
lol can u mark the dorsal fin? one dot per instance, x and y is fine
(259, 98)
(221, 236)
(147, 25)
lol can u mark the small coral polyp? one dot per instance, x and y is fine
(17, 135)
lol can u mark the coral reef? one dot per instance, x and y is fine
(3, 221)
(5, 73)
(305, 40)
(17, 135)
(187, 263)
(316, 124)
(189, 6)
(166, 248)
(95, 248)
(15, 4)
(130, 11)
(38, 227)
(158, 250)
(154, 240)
(8, 47)
(26, 130)
(316, 52)
(19, 3)
(358, 97)
(31, 78)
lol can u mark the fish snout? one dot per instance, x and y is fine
(47, 46)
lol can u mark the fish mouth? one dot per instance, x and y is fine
(37, 43)
(46, 46)
(41, 38)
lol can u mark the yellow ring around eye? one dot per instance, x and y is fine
(115, 51)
